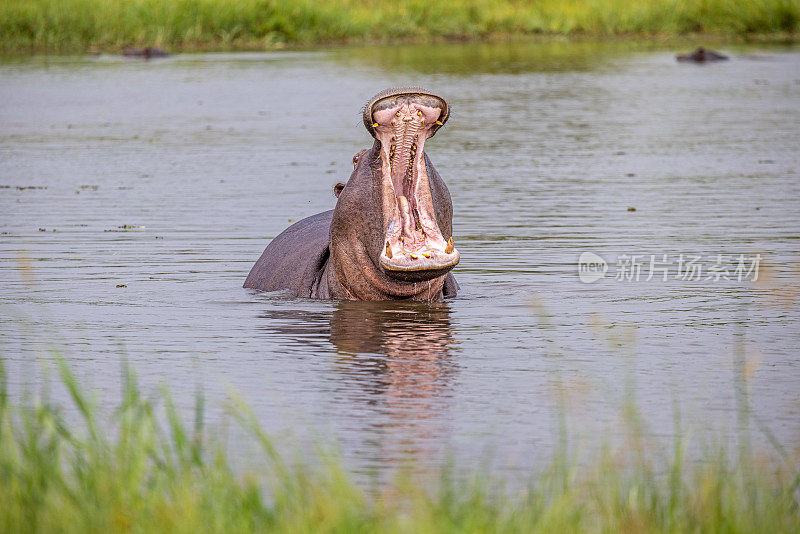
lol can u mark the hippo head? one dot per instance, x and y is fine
(402, 121)
(392, 226)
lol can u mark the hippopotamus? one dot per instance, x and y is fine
(146, 53)
(390, 235)
(701, 55)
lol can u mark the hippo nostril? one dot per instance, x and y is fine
(410, 99)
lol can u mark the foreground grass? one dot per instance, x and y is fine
(142, 475)
(62, 26)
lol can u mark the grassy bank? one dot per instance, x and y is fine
(150, 473)
(68, 26)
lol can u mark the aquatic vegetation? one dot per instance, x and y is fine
(61, 26)
(151, 472)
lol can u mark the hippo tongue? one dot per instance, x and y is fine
(408, 230)
(414, 241)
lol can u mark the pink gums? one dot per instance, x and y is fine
(402, 131)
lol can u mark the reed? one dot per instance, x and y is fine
(77, 26)
(145, 470)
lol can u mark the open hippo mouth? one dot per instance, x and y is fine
(402, 120)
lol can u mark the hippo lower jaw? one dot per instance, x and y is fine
(414, 248)
(414, 243)
(430, 260)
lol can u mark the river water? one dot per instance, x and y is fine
(169, 177)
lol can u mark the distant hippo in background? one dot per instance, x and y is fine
(390, 234)
(701, 55)
(146, 53)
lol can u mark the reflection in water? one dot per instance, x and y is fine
(400, 356)
(393, 367)
(305, 330)
(489, 58)
(399, 330)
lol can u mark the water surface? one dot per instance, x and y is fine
(170, 177)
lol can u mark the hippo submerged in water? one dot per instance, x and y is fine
(390, 234)
(145, 53)
(701, 55)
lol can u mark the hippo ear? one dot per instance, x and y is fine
(337, 189)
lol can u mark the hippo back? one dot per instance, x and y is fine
(295, 259)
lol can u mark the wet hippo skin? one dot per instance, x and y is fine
(146, 53)
(701, 55)
(390, 235)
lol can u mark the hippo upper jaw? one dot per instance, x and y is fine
(414, 248)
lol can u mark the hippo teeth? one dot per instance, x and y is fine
(413, 240)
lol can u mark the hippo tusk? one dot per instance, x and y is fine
(450, 246)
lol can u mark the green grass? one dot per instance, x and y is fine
(68, 26)
(141, 472)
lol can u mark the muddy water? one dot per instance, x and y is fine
(136, 196)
